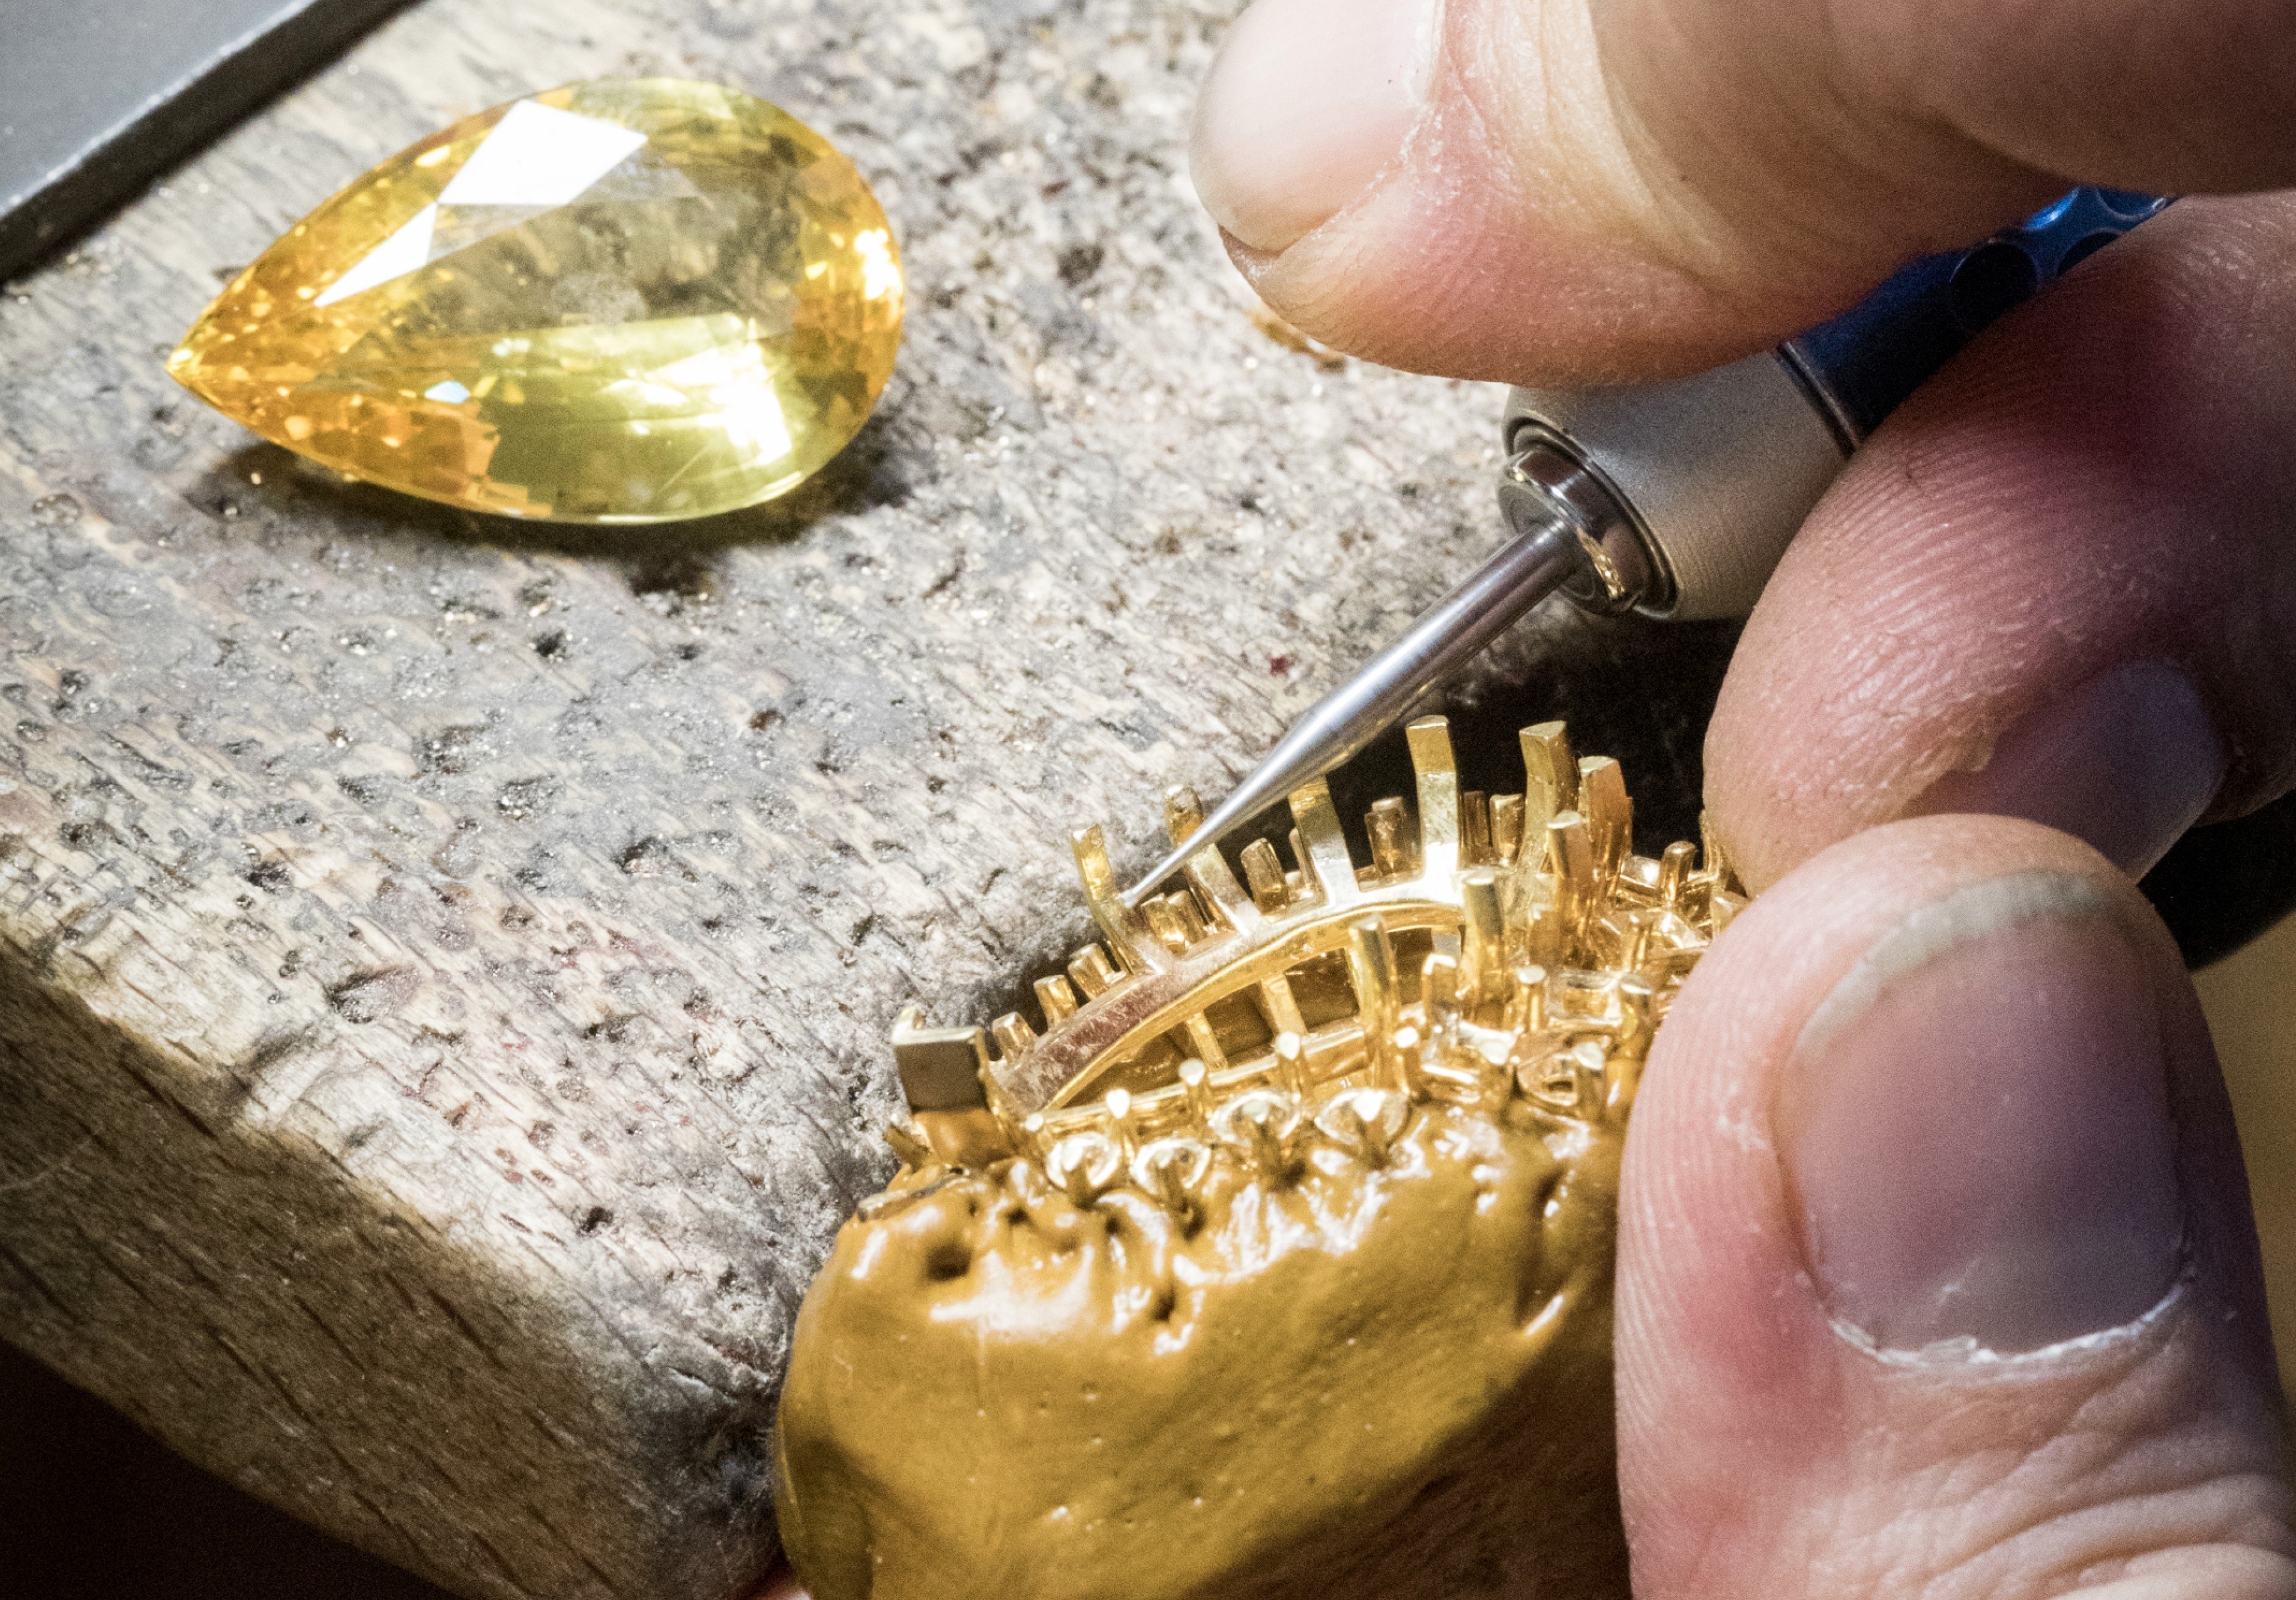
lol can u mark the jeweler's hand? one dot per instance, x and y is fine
(2061, 581)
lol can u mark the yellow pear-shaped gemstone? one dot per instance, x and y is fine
(620, 302)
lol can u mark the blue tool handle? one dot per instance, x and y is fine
(1863, 363)
(1678, 499)
(1703, 480)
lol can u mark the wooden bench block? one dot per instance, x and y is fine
(445, 965)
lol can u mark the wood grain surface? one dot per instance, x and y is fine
(445, 965)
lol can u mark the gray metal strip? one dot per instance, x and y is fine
(99, 97)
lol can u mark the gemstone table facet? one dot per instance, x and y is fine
(619, 302)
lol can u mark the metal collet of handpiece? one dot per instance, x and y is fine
(1678, 499)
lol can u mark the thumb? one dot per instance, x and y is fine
(1937, 1277)
(1550, 191)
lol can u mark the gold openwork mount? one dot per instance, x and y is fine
(1506, 951)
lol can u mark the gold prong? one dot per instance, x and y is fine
(1196, 1089)
(1094, 871)
(1526, 1004)
(1440, 989)
(1122, 1120)
(1086, 1166)
(1014, 1036)
(1171, 1169)
(1291, 1065)
(1483, 939)
(1261, 1122)
(1613, 1079)
(1092, 971)
(1437, 773)
(1009, 1124)
(1031, 1142)
(1163, 919)
(1494, 1081)
(1475, 830)
(909, 1143)
(1506, 828)
(1637, 1011)
(1161, 1178)
(1714, 864)
(1674, 873)
(1183, 813)
(1387, 822)
(1638, 945)
(1571, 857)
(1371, 965)
(1321, 848)
(1590, 1065)
(1205, 1042)
(1545, 937)
(1191, 913)
(1226, 905)
(1126, 929)
(1365, 1122)
(1057, 1000)
(1508, 815)
(1264, 872)
(1281, 1006)
(1610, 813)
(1550, 776)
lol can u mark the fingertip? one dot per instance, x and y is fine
(1307, 102)
(1432, 187)
(1930, 1166)
(2127, 761)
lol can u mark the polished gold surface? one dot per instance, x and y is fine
(619, 302)
(1278, 1260)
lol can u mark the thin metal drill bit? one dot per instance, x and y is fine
(1524, 571)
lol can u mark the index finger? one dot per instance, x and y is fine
(2058, 583)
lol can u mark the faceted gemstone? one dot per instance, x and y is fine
(621, 302)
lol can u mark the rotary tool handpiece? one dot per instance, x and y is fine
(1678, 499)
